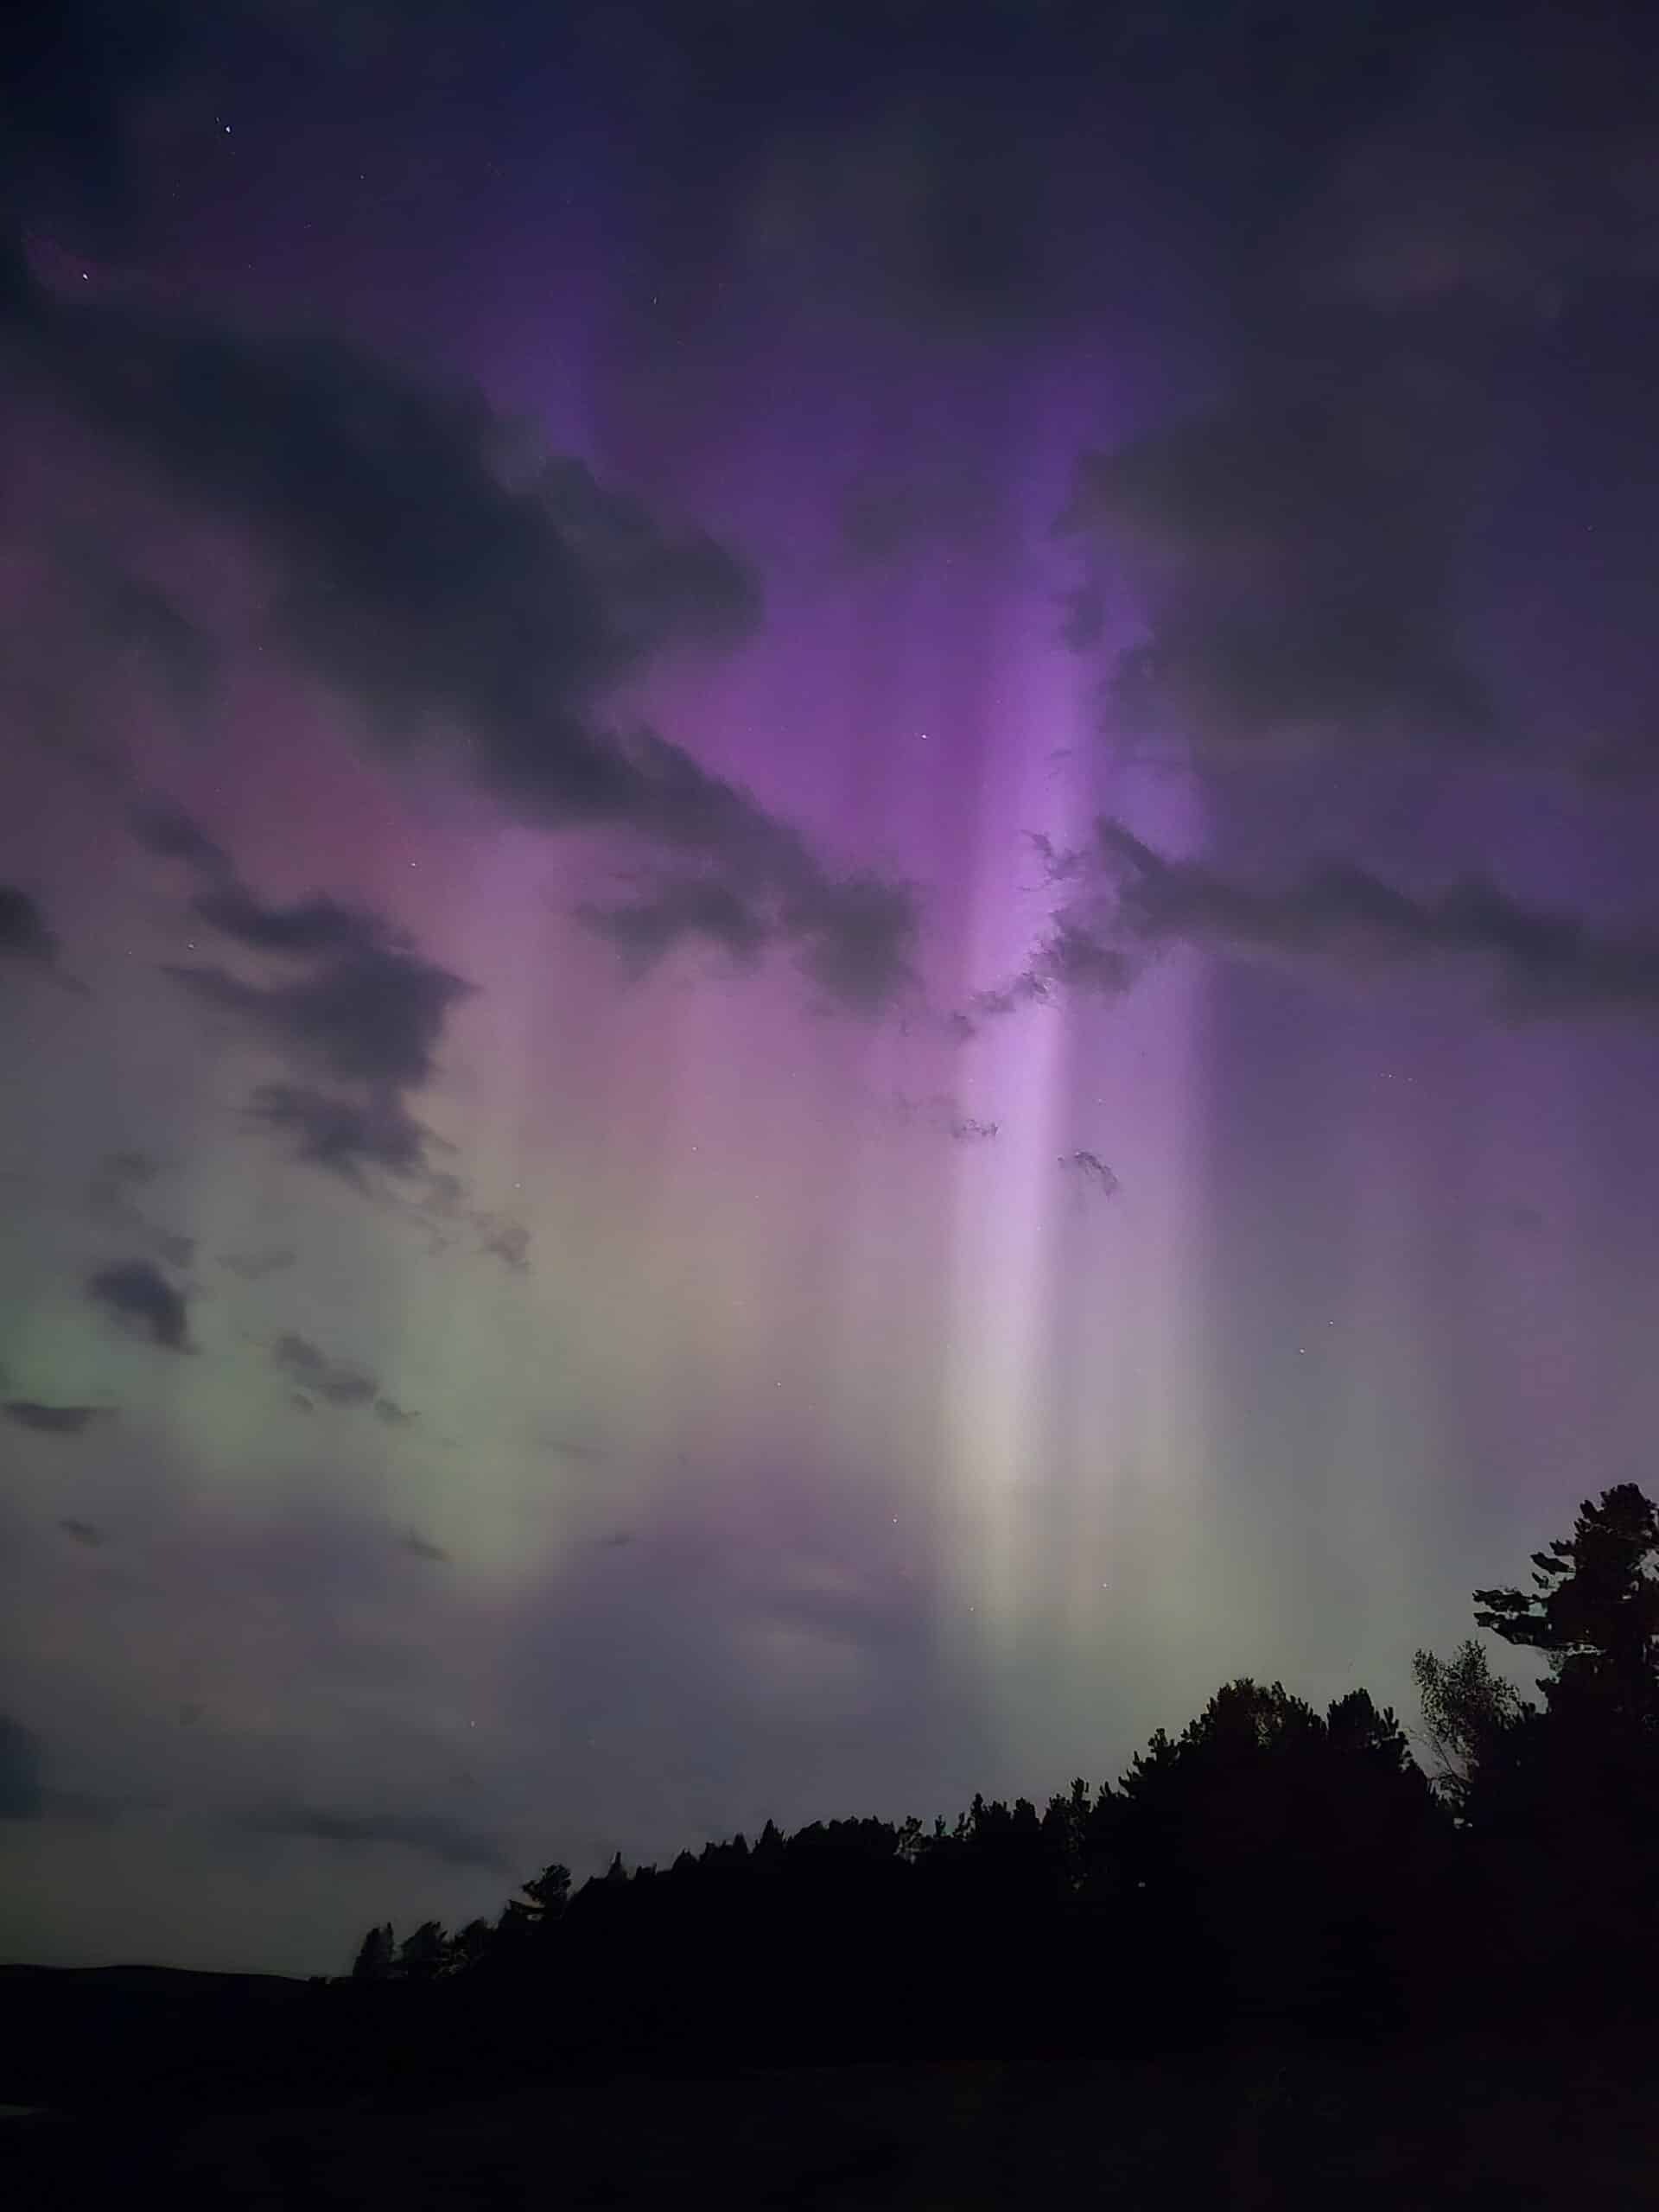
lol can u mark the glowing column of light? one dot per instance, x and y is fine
(997, 1299)
(1129, 1427)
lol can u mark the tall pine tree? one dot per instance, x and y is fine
(1593, 1610)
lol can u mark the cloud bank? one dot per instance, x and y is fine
(1131, 903)
(460, 597)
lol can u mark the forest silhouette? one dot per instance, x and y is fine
(1270, 1870)
(1271, 1864)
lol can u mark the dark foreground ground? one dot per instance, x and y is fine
(1468, 2121)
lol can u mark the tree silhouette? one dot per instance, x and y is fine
(376, 1954)
(544, 1899)
(421, 1956)
(1264, 1828)
(1594, 1608)
(467, 1947)
(1467, 1712)
(1066, 1823)
(1569, 1799)
(528, 1923)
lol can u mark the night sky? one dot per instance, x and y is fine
(828, 939)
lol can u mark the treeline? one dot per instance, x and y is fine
(1271, 1864)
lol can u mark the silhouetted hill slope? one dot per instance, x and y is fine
(122, 2035)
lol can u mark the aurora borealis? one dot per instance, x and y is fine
(828, 944)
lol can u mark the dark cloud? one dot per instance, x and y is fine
(643, 930)
(371, 1011)
(52, 1420)
(138, 1294)
(83, 1532)
(507, 1240)
(1071, 957)
(109, 1194)
(365, 1012)
(1427, 289)
(1088, 1167)
(1295, 553)
(1135, 903)
(1539, 962)
(1077, 953)
(932, 210)
(1082, 620)
(976, 173)
(411, 569)
(854, 937)
(23, 1771)
(119, 1171)
(126, 622)
(139, 616)
(1030, 987)
(172, 834)
(750, 881)
(334, 1381)
(23, 932)
(450, 1840)
(344, 1135)
(1517, 179)
(414, 569)
(253, 1267)
(583, 1450)
(311, 926)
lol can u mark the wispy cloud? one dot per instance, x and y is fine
(137, 1293)
(52, 1420)
(336, 1381)
(1127, 903)
(451, 1842)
